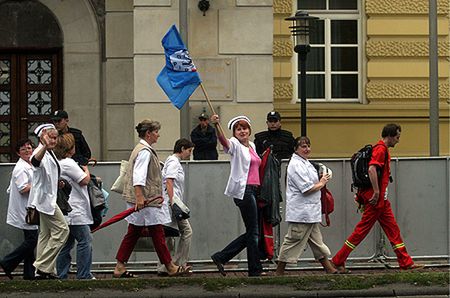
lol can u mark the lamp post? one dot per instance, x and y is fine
(300, 32)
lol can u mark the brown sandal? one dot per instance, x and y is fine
(126, 274)
(181, 271)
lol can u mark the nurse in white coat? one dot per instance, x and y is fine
(243, 186)
(18, 190)
(53, 230)
(173, 185)
(303, 210)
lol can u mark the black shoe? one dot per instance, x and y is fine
(40, 275)
(7, 273)
(219, 265)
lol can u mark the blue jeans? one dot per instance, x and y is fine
(82, 234)
(249, 239)
(24, 252)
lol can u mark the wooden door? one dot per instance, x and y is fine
(30, 89)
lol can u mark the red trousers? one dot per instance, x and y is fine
(384, 215)
(132, 236)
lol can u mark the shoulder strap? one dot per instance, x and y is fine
(56, 161)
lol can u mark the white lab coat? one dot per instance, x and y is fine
(301, 207)
(174, 170)
(44, 187)
(240, 165)
(22, 175)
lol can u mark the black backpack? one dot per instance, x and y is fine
(360, 167)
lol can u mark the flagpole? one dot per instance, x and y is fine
(211, 107)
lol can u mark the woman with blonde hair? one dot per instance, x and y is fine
(80, 217)
(143, 190)
(53, 230)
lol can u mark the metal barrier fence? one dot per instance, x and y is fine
(419, 195)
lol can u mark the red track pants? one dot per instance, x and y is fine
(132, 236)
(385, 217)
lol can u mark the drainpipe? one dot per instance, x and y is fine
(433, 80)
(184, 112)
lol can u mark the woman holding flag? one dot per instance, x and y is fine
(243, 185)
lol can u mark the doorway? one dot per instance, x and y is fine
(30, 89)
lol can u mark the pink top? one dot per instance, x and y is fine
(253, 172)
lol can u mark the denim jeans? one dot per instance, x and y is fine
(249, 239)
(24, 252)
(82, 234)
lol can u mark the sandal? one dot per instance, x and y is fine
(340, 269)
(126, 274)
(181, 271)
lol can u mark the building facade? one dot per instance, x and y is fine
(368, 66)
(98, 60)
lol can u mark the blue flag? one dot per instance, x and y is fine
(179, 77)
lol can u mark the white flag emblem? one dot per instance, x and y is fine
(181, 61)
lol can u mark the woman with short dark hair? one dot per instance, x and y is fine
(303, 210)
(18, 190)
(173, 185)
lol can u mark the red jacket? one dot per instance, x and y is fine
(379, 155)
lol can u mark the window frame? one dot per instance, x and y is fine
(327, 16)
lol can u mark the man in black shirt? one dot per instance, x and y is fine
(281, 140)
(205, 140)
(82, 155)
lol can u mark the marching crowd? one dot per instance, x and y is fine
(61, 157)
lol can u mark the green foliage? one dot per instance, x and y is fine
(298, 282)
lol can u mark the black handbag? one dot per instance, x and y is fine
(179, 209)
(62, 199)
(178, 213)
(32, 217)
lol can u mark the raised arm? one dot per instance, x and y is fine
(220, 135)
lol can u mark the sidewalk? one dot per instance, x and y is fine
(429, 282)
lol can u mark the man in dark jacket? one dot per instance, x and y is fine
(281, 140)
(205, 140)
(82, 151)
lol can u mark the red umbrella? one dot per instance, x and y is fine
(122, 215)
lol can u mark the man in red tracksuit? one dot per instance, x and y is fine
(376, 205)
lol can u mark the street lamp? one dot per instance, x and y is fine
(300, 32)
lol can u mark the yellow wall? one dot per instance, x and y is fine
(395, 72)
